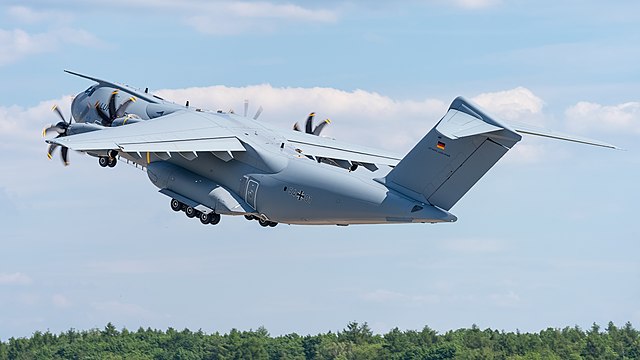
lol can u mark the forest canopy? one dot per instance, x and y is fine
(356, 341)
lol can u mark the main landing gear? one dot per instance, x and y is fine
(109, 160)
(210, 218)
(261, 221)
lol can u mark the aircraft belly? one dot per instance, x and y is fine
(311, 193)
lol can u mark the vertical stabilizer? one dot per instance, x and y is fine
(453, 156)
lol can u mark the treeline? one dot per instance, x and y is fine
(356, 341)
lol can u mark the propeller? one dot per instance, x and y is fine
(114, 113)
(309, 129)
(246, 110)
(61, 129)
(258, 113)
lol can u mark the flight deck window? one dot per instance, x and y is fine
(90, 90)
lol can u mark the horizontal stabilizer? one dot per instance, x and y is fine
(537, 131)
(457, 124)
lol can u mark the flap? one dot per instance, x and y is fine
(214, 144)
(329, 148)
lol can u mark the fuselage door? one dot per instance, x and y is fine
(251, 192)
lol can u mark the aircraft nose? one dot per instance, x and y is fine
(79, 107)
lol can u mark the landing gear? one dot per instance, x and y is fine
(191, 212)
(215, 219)
(210, 218)
(105, 161)
(262, 222)
(205, 218)
(176, 205)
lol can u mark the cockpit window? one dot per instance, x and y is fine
(90, 90)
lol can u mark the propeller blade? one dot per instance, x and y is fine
(257, 115)
(309, 124)
(321, 126)
(106, 120)
(296, 127)
(50, 150)
(123, 107)
(246, 107)
(112, 105)
(55, 128)
(64, 151)
(57, 111)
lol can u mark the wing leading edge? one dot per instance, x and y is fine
(178, 132)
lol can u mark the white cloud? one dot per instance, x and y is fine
(17, 43)
(18, 124)
(518, 104)
(16, 278)
(593, 117)
(358, 116)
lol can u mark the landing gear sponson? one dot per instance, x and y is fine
(210, 218)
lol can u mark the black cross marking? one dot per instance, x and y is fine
(300, 195)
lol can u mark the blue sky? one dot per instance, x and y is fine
(548, 237)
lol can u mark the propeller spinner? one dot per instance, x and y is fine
(61, 129)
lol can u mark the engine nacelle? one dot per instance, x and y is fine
(79, 128)
(125, 120)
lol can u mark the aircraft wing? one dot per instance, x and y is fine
(339, 152)
(182, 131)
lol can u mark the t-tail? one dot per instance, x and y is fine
(458, 151)
(453, 156)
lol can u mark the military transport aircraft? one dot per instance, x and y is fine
(213, 163)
